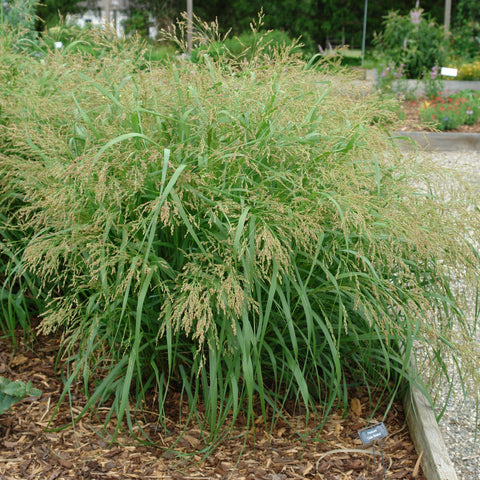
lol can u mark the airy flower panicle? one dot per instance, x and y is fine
(416, 14)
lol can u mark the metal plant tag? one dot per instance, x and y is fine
(370, 434)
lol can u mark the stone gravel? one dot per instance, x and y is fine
(459, 425)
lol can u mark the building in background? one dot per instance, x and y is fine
(102, 12)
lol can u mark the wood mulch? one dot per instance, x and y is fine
(33, 448)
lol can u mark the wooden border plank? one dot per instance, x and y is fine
(427, 438)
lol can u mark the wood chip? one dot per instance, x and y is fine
(28, 451)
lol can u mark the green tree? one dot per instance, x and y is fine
(342, 20)
(466, 29)
(138, 21)
(49, 12)
(164, 12)
(297, 18)
(468, 10)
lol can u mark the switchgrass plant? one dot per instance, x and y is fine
(242, 234)
(245, 45)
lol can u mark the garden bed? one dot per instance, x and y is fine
(412, 122)
(29, 450)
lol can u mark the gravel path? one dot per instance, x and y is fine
(459, 424)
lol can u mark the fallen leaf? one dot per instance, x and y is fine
(194, 442)
(417, 465)
(356, 407)
(307, 469)
(19, 360)
(10, 444)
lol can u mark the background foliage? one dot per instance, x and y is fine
(466, 29)
(413, 43)
(318, 22)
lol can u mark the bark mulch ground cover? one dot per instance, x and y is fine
(33, 448)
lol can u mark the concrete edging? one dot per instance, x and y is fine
(427, 438)
(417, 87)
(437, 141)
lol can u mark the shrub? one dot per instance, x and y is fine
(412, 41)
(138, 22)
(465, 40)
(388, 74)
(93, 41)
(241, 234)
(466, 29)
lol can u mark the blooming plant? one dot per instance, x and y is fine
(413, 40)
(433, 83)
(389, 73)
(469, 71)
(451, 112)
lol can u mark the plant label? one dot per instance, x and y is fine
(370, 434)
(448, 72)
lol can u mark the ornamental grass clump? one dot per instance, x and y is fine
(242, 234)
